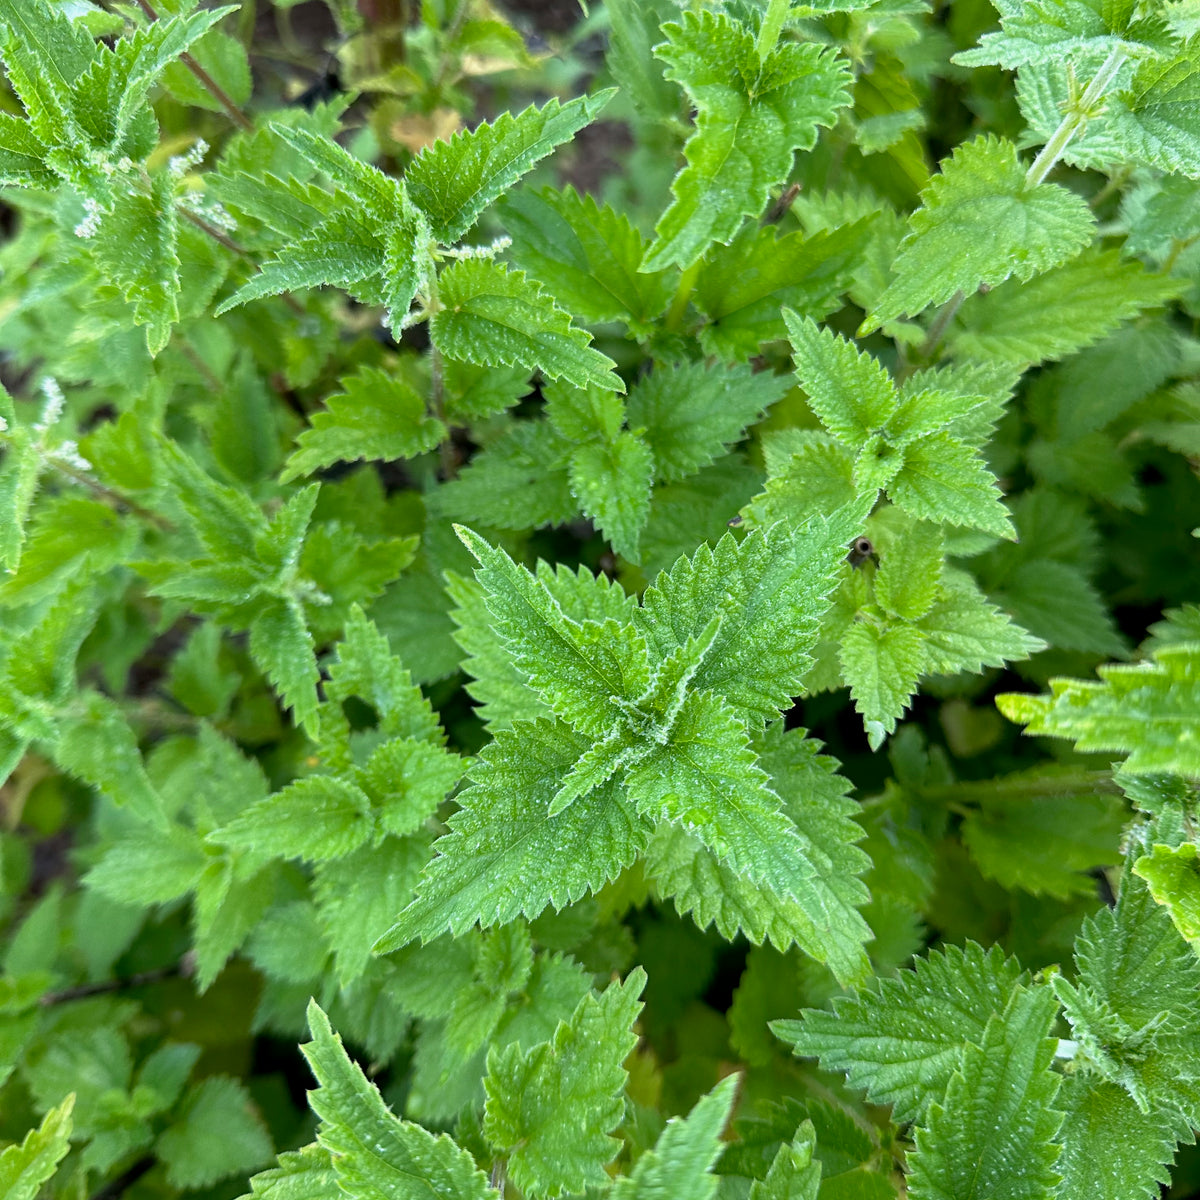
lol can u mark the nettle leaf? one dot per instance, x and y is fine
(680, 1162)
(823, 918)
(586, 255)
(980, 223)
(521, 481)
(220, 1133)
(1172, 874)
(1134, 1008)
(377, 415)
(1155, 122)
(25, 1166)
(992, 1135)
(373, 242)
(135, 248)
(1048, 32)
(752, 115)
(849, 391)
(612, 483)
(374, 1154)
(1109, 1145)
(1044, 847)
(1148, 710)
(497, 317)
(691, 413)
(743, 288)
(505, 855)
(772, 589)
(1089, 296)
(943, 479)
(909, 443)
(903, 1039)
(706, 780)
(552, 1109)
(283, 647)
(453, 182)
(882, 664)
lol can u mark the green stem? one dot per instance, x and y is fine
(107, 494)
(206, 81)
(1074, 121)
(769, 30)
(957, 795)
(941, 323)
(683, 294)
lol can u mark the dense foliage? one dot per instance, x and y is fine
(521, 531)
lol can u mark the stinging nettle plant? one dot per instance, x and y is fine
(520, 530)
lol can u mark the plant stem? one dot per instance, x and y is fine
(941, 323)
(1074, 121)
(126, 1180)
(1067, 783)
(109, 495)
(223, 239)
(683, 294)
(205, 80)
(437, 401)
(772, 23)
(183, 968)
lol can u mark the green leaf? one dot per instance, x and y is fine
(743, 289)
(1109, 1146)
(376, 416)
(848, 390)
(1173, 876)
(692, 413)
(1047, 32)
(910, 571)
(21, 156)
(945, 480)
(752, 115)
(963, 632)
(882, 665)
(903, 1039)
(1089, 296)
(773, 588)
(316, 818)
(219, 1134)
(497, 317)
(612, 484)
(520, 481)
(1055, 602)
(1134, 1009)
(304, 1174)
(1155, 122)
(282, 646)
(586, 255)
(792, 1175)
(1148, 710)
(374, 1154)
(502, 835)
(26, 1166)
(97, 745)
(993, 1134)
(149, 866)
(823, 919)
(706, 780)
(551, 1109)
(680, 1163)
(1044, 843)
(575, 667)
(980, 223)
(134, 247)
(454, 181)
